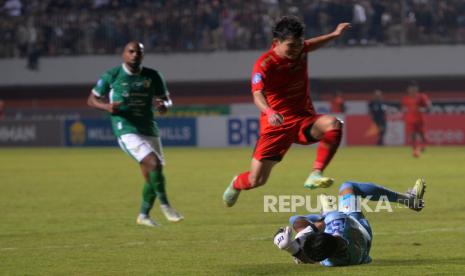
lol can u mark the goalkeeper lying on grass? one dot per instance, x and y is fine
(341, 238)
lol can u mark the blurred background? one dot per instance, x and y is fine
(53, 52)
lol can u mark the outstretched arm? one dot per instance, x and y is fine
(316, 42)
(283, 240)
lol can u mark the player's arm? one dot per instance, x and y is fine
(274, 118)
(316, 42)
(162, 103)
(101, 89)
(97, 102)
(426, 105)
(283, 240)
(162, 100)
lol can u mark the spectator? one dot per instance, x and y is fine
(13, 7)
(101, 26)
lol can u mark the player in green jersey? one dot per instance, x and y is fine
(129, 92)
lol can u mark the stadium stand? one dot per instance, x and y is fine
(61, 27)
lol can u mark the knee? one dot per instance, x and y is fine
(346, 188)
(332, 123)
(156, 166)
(336, 123)
(152, 164)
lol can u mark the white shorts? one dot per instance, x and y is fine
(139, 146)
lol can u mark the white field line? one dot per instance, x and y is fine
(262, 238)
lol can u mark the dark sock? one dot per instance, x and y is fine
(157, 180)
(148, 198)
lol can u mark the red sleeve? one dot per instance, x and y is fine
(258, 76)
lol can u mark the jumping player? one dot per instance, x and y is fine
(414, 105)
(132, 92)
(280, 88)
(341, 238)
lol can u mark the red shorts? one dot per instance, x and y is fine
(274, 142)
(414, 127)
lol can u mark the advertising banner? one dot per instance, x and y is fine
(445, 129)
(178, 131)
(361, 130)
(228, 131)
(231, 131)
(30, 133)
(89, 133)
(173, 132)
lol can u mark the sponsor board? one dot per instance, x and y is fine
(228, 131)
(361, 130)
(173, 132)
(178, 131)
(30, 133)
(445, 129)
(89, 133)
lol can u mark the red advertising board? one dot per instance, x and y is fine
(445, 129)
(360, 130)
(441, 129)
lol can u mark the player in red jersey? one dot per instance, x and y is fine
(280, 88)
(414, 105)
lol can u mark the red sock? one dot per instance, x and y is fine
(242, 182)
(327, 148)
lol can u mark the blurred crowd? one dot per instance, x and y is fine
(82, 27)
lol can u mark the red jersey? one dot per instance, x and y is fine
(285, 83)
(413, 106)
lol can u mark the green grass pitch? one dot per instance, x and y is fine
(73, 211)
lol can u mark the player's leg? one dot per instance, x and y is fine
(422, 137)
(412, 131)
(328, 131)
(132, 144)
(382, 131)
(259, 172)
(350, 190)
(269, 150)
(148, 197)
(153, 166)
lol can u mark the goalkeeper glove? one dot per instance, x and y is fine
(282, 239)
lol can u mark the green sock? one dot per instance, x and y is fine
(157, 180)
(148, 198)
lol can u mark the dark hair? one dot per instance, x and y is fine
(288, 26)
(319, 246)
